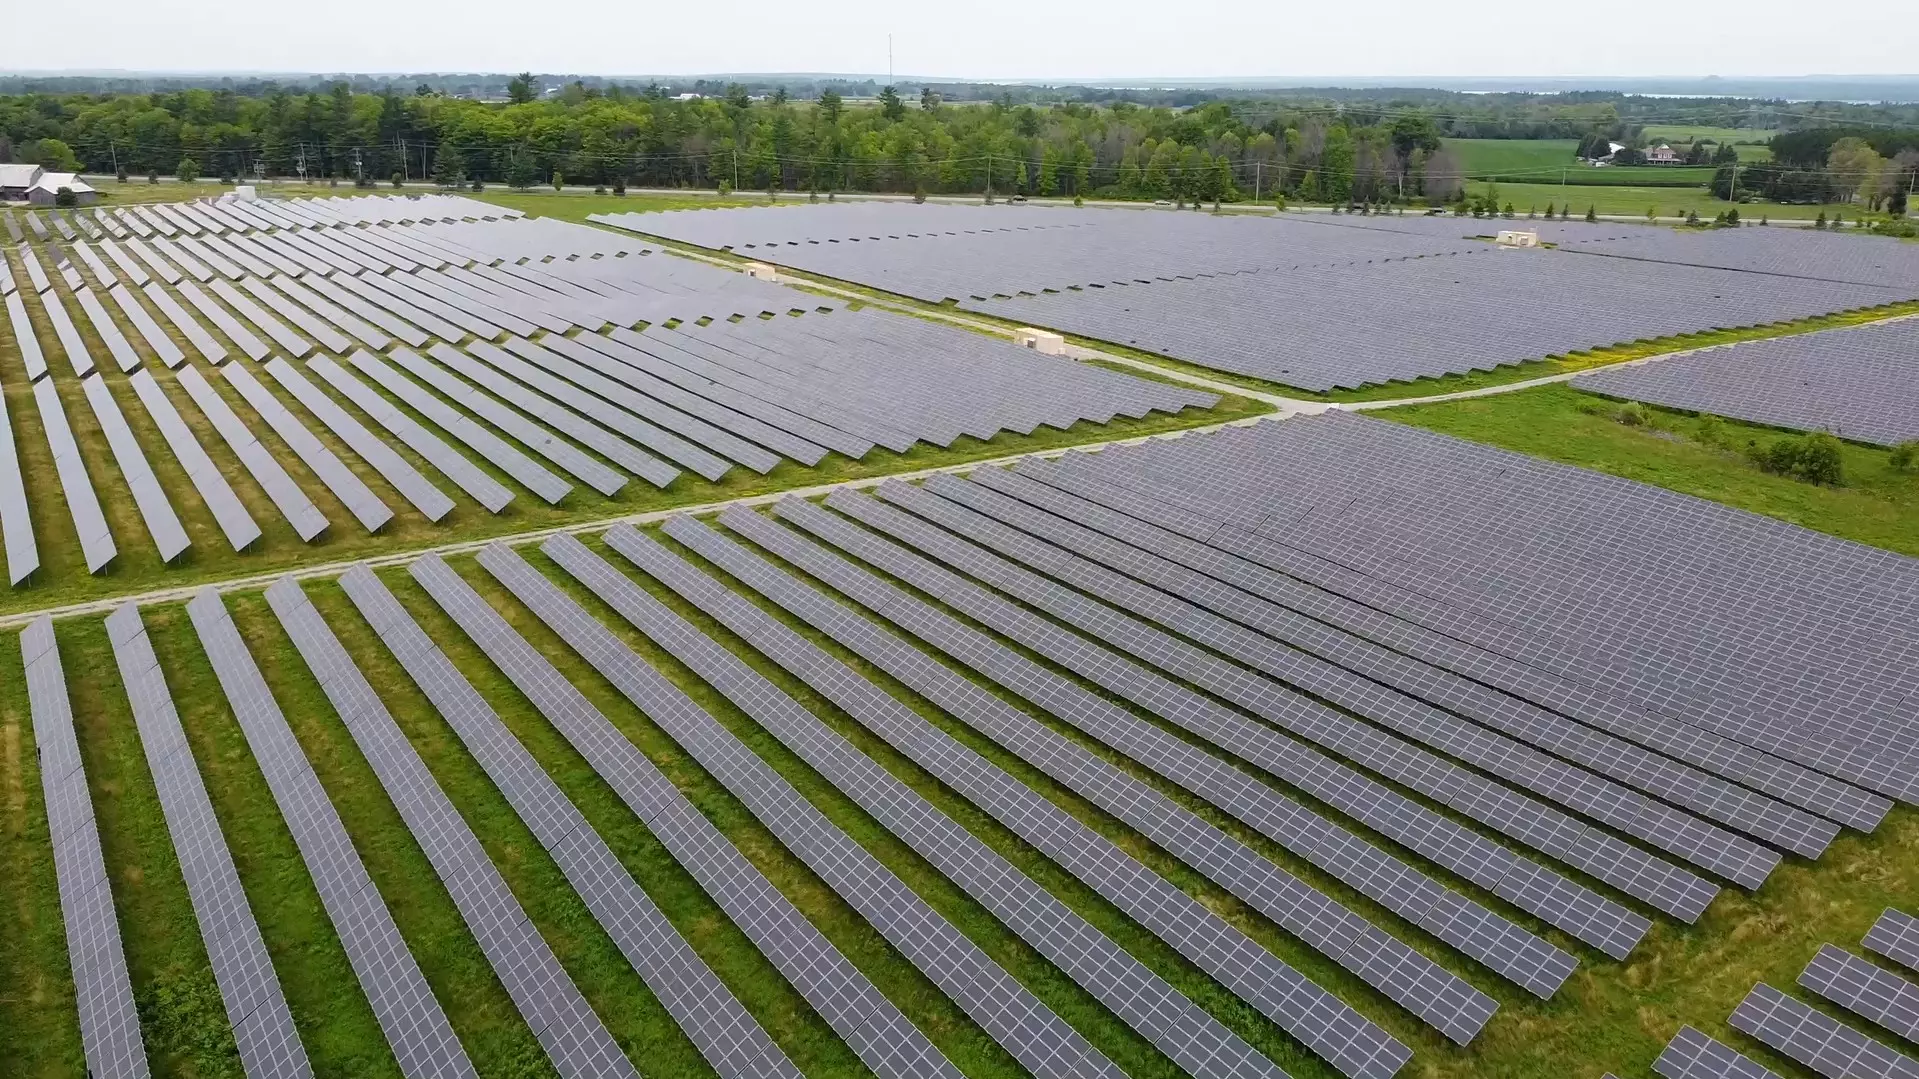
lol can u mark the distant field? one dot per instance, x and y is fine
(1676, 133)
(1635, 201)
(1551, 161)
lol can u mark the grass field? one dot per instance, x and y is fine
(63, 578)
(1666, 201)
(1552, 161)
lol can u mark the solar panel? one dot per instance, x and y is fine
(1139, 519)
(391, 324)
(680, 437)
(425, 497)
(1021, 1023)
(1896, 936)
(1187, 1034)
(1865, 990)
(529, 434)
(360, 330)
(101, 271)
(402, 1001)
(294, 505)
(330, 339)
(575, 1040)
(292, 343)
(1337, 1034)
(716, 1022)
(609, 408)
(1702, 792)
(109, 1020)
(1438, 578)
(400, 288)
(1693, 1055)
(109, 333)
(870, 1024)
(360, 501)
(162, 262)
(255, 348)
(1860, 383)
(133, 270)
(16, 523)
(384, 459)
(150, 331)
(559, 417)
(255, 1007)
(1731, 856)
(63, 328)
(495, 450)
(769, 425)
(1817, 1040)
(386, 301)
(36, 274)
(233, 518)
(96, 542)
(1492, 940)
(1444, 1000)
(163, 524)
(25, 338)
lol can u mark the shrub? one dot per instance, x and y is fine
(479, 184)
(188, 170)
(726, 187)
(1712, 431)
(619, 185)
(1905, 455)
(1814, 458)
(1633, 414)
(399, 179)
(65, 197)
(1592, 214)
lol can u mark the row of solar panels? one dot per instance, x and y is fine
(575, 1040)
(1429, 525)
(1282, 298)
(700, 399)
(1860, 383)
(1809, 1036)
(886, 538)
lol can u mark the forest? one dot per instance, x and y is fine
(1363, 149)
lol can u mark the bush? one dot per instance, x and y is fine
(1712, 431)
(599, 189)
(1633, 414)
(65, 197)
(479, 184)
(188, 170)
(1905, 455)
(619, 186)
(726, 187)
(399, 179)
(1592, 215)
(1814, 458)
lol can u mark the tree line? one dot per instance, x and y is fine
(1359, 149)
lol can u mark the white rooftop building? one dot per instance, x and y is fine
(31, 183)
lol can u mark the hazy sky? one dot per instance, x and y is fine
(996, 40)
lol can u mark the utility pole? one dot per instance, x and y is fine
(114, 148)
(1256, 168)
(1732, 192)
(359, 167)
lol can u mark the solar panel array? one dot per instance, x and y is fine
(1816, 1039)
(1274, 297)
(256, 1009)
(528, 359)
(1187, 1034)
(416, 1027)
(885, 1040)
(575, 1040)
(109, 1021)
(705, 1009)
(1693, 1054)
(1568, 572)
(1024, 1026)
(1861, 383)
(1320, 1021)
(1896, 936)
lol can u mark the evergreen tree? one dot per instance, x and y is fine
(520, 173)
(449, 169)
(188, 170)
(1592, 214)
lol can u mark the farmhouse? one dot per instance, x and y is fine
(31, 183)
(1662, 154)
